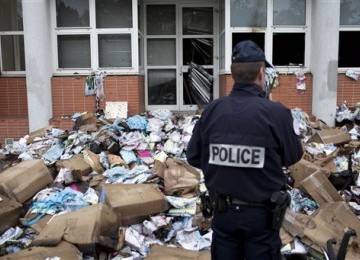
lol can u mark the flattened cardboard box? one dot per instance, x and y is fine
(301, 225)
(64, 250)
(83, 227)
(158, 252)
(10, 211)
(339, 216)
(301, 170)
(332, 135)
(331, 221)
(25, 179)
(318, 186)
(311, 231)
(134, 202)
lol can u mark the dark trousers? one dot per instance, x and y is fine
(244, 233)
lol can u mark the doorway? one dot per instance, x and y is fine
(181, 66)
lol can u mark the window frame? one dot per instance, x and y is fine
(268, 31)
(347, 28)
(12, 72)
(94, 48)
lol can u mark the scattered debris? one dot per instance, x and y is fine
(121, 188)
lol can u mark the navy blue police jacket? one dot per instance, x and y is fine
(242, 141)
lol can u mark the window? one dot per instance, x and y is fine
(289, 49)
(160, 20)
(349, 34)
(258, 38)
(12, 58)
(277, 26)
(74, 51)
(161, 54)
(289, 13)
(95, 34)
(248, 13)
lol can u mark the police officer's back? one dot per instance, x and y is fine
(241, 143)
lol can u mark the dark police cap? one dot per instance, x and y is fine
(248, 51)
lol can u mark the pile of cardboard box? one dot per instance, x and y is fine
(106, 225)
(318, 176)
(134, 216)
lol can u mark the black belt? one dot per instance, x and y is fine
(236, 202)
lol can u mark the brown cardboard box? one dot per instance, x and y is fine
(134, 202)
(330, 221)
(318, 186)
(38, 133)
(332, 135)
(64, 250)
(10, 211)
(339, 217)
(93, 160)
(84, 228)
(296, 223)
(37, 226)
(158, 252)
(76, 162)
(312, 232)
(327, 163)
(86, 123)
(25, 179)
(301, 170)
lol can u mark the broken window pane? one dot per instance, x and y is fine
(12, 49)
(161, 52)
(11, 18)
(288, 12)
(160, 20)
(114, 50)
(74, 51)
(162, 87)
(197, 20)
(288, 49)
(72, 13)
(349, 43)
(248, 13)
(197, 85)
(258, 38)
(199, 51)
(114, 14)
(349, 12)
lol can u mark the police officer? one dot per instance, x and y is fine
(241, 142)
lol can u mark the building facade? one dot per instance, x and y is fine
(168, 54)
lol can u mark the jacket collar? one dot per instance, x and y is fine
(247, 89)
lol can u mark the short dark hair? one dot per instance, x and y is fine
(246, 71)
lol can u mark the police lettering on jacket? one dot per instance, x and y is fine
(237, 155)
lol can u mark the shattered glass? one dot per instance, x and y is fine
(199, 51)
(198, 85)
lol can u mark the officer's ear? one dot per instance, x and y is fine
(261, 75)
